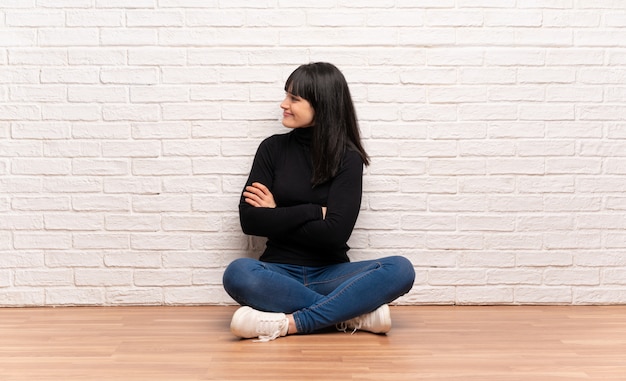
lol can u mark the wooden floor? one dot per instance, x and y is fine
(426, 343)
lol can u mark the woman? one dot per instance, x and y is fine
(304, 195)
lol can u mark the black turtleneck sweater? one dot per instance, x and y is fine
(297, 234)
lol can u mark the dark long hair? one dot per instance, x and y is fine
(335, 127)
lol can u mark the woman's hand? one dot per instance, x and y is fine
(258, 195)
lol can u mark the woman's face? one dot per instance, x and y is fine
(297, 112)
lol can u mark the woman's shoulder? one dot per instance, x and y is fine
(276, 138)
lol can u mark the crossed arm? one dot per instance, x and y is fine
(259, 196)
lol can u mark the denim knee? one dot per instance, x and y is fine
(236, 276)
(403, 270)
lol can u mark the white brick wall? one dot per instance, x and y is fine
(497, 130)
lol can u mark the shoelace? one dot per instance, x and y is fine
(345, 325)
(269, 330)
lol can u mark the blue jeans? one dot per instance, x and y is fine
(318, 297)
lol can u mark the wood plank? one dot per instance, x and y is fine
(482, 343)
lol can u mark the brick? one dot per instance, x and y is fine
(570, 240)
(227, 18)
(24, 149)
(135, 76)
(214, 56)
(438, 167)
(598, 295)
(70, 112)
(140, 113)
(18, 37)
(545, 148)
(430, 184)
(134, 296)
(160, 130)
(22, 297)
(161, 203)
(212, 203)
(19, 75)
(152, 18)
(453, 94)
(195, 184)
(616, 240)
(35, 19)
(194, 295)
(68, 37)
(139, 222)
(43, 278)
(515, 57)
(154, 241)
(109, 94)
(454, 241)
(345, 37)
(427, 222)
(396, 240)
(100, 241)
(71, 149)
(515, 18)
(489, 223)
(38, 93)
(543, 295)
(491, 184)
(96, 56)
(272, 18)
(73, 221)
(191, 223)
(529, 93)
(509, 203)
(110, 130)
(161, 167)
(181, 111)
(42, 56)
(74, 297)
(448, 203)
(544, 223)
(609, 259)
(127, 37)
(512, 241)
(428, 37)
(144, 148)
(103, 203)
(207, 277)
(484, 295)
(397, 202)
(152, 94)
(103, 277)
(100, 167)
(23, 259)
(20, 185)
(66, 258)
(47, 166)
(40, 203)
(136, 185)
(161, 278)
(144, 260)
(193, 259)
(99, 18)
(20, 112)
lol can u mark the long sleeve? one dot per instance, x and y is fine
(271, 222)
(343, 205)
(296, 229)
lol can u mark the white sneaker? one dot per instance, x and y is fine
(377, 321)
(248, 323)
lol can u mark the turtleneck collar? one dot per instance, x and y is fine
(303, 135)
